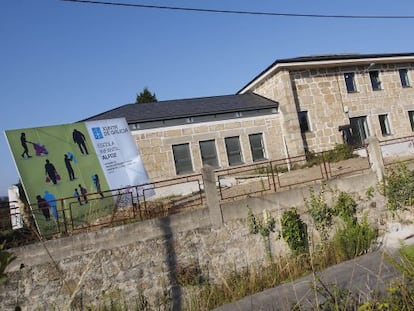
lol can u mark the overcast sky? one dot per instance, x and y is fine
(61, 62)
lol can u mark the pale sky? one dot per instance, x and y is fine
(61, 62)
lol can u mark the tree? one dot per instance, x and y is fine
(146, 97)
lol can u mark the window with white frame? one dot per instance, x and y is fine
(384, 124)
(375, 80)
(233, 149)
(257, 147)
(350, 82)
(359, 130)
(209, 153)
(182, 159)
(405, 82)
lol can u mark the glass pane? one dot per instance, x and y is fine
(303, 121)
(385, 127)
(375, 81)
(411, 116)
(350, 82)
(256, 146)
(182, 159)
(209, 153)
(233, 150)
(404, 78)
(359, 129)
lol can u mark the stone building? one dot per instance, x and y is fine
(293, 106)
(324, 98)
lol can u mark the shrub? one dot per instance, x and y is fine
(339, 153)
(354, 239)
(345, 207)
(320, 212)
(398, 187)
(294, 232)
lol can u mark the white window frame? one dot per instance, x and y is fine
(374, 76)
(350, 84)
(254, 148)
(205, 161)
(182, 169)
(405, 80)
(384, 124)
(235, 152)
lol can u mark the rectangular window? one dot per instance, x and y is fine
(350, 82)
(385, 125)
(209, 153)
(257, 147)
(375, 80)
(182, 159)
(303, 121)
(359, 130)
(233, 149)
(411, 117)
(405, 82)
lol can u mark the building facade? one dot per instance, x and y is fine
(294, 106)
(331, 99)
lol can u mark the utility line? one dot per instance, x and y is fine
(242, 12)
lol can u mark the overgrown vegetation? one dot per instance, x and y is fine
(398, 187)
(320, 212)
(5, 259)
(354, 239)
(294, 231)
(263, 227)
(349, 238)
(339, 153)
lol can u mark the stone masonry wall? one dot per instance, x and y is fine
(322, 92)
(146, 258)
(156, 144)
(279, 88)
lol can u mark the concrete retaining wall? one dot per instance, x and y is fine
(150, 258)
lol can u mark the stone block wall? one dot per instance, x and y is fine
(322, 93)
(148, 259)
(278, 87)
(155, 145)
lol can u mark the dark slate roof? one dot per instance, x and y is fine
(181, 108)
(327, 57)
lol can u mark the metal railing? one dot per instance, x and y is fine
(69, 215)
(277, 175)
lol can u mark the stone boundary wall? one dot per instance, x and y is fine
(147, 258)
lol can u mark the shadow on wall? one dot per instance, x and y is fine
(171, 261)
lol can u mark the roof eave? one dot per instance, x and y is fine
(278, 66)
(203, 114)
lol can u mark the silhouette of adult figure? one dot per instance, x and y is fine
(84, 193)
(68, 165)
(77, 196)
(43, 205)
(97, 183)
(80, 139)
(51, 200)
(24, 142)
(51, 171)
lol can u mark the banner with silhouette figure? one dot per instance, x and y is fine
(71, 162)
